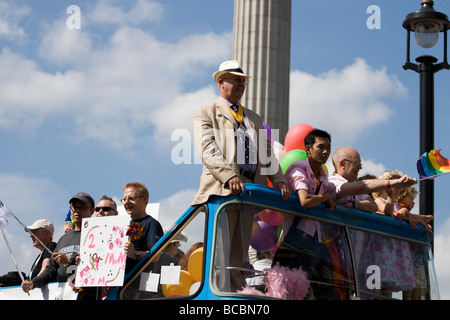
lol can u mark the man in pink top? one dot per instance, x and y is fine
(302, 244)
(309, 181)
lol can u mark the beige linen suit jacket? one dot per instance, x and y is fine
(214, 127)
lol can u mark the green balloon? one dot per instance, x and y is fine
(291, 157)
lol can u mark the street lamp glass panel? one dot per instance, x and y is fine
(426, 34)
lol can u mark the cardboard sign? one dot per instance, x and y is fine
(102, 252)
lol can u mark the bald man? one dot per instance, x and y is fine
(353, 193)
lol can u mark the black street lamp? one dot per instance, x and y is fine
(426, 24)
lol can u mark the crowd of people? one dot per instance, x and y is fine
(226, 167)
(309, 181)
(50, 267)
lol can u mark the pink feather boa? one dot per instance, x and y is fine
(283, 283)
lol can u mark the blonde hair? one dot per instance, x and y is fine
(387, 175)
(140, 188)
(411, 192)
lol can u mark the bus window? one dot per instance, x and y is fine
(232, 241)
(391, 268)
(254, 245)
(176, 269)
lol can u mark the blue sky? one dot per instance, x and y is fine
(91, 109)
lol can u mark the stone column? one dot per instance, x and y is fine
(261, 43)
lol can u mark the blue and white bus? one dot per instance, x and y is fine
(361, 248)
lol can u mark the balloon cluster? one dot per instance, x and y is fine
(189, 280)
(294, 145)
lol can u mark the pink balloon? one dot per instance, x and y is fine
(272, 218)
(295, 138)
(274, 249)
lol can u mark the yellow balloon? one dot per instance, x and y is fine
(180, 289)
(195, 264)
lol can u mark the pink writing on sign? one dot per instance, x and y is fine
(102, 255)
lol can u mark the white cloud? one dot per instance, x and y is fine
(179, 110)
(174, 206)
(344, 103)
(61, 46)
(119, 84)
(370, 167)
(11, 14)
(30, 94)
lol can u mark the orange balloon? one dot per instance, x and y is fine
(180, 289)
(195, 264)
(295, 138)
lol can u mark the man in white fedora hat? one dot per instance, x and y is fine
(223, 172)
(227, 136)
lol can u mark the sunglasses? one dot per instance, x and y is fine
(105, 209)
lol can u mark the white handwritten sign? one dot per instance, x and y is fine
(102, 252)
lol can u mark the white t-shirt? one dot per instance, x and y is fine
(338, 181)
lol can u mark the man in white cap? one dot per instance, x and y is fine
(227, 136)
(43, 230)
(171, 253)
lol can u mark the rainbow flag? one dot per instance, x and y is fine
(432, 164)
